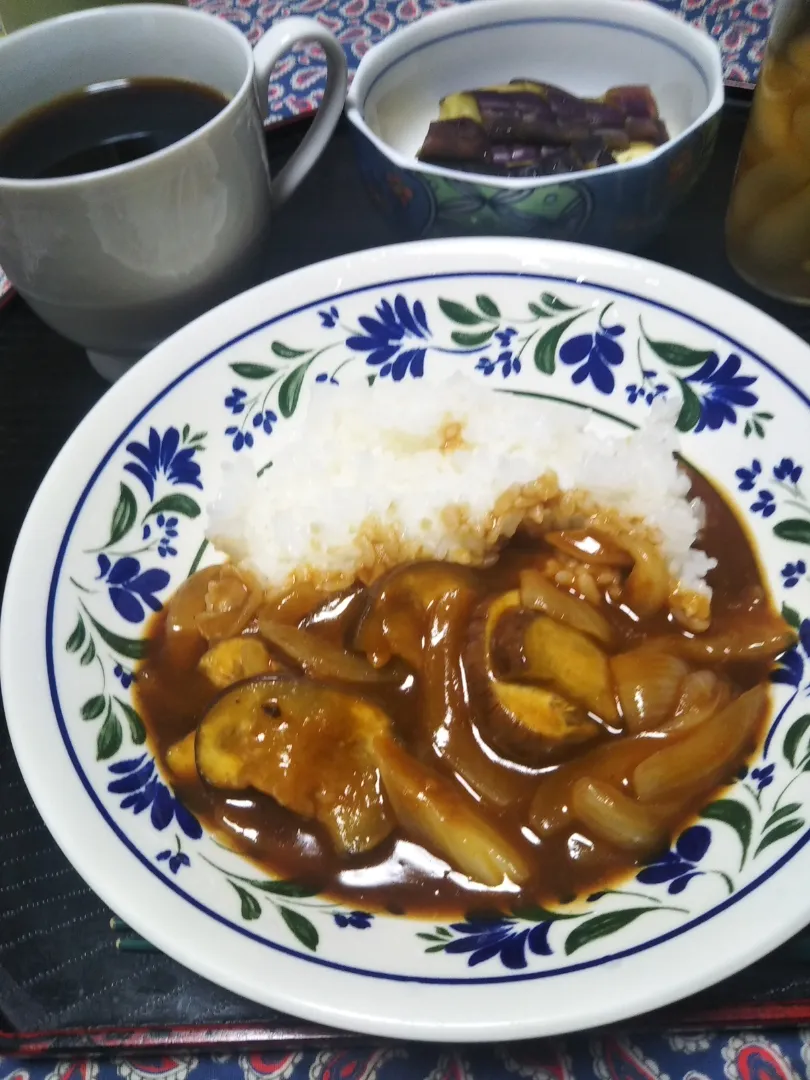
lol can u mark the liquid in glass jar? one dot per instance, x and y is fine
(768, 222)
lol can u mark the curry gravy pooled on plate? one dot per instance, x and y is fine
(468, 650)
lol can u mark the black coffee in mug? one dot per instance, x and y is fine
(104, 125)
(118, 260)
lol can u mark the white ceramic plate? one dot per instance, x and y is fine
(117, 525)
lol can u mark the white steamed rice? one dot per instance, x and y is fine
(373, 454)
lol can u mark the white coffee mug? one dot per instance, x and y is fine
(117, 260)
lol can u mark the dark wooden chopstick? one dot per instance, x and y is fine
(128, 940)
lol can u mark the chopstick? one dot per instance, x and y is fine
(129, 941)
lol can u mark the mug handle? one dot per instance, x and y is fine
(277, 41)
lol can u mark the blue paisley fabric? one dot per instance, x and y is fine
(769, 1055)
(739, 27)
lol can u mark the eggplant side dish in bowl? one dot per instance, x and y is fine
(529, 128)
(536, 118)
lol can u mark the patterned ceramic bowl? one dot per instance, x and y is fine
(585, 46)
(119, 523)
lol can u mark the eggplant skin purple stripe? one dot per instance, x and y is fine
(528, 128)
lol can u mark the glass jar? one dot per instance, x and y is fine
(18, 13)
(768, 221)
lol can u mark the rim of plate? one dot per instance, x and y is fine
(473, 1011)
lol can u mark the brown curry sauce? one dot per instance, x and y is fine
(398, 875)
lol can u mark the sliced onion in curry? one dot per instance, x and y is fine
(590, 546)
(538, 592)
(336, 615)
(703, 693)
(321, 659)
(757, 635)
(215, 603)
(706, 755)
(493, 782)
(648, 684)
(613, 816)
(646, 590)
(231, 600)
(612, 762)
(447, 821)
(421, 613)
(396, 621)
(293, 605)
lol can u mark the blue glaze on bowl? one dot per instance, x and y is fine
(621, 206)
(619, 209)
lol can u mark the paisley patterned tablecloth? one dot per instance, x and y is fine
(770, 1055)
(738, 26)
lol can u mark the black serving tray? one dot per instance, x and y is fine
(69, 981)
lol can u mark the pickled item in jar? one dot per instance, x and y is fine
(768, 222)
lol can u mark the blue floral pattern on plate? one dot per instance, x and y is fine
(396, 340)
(581, 344)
